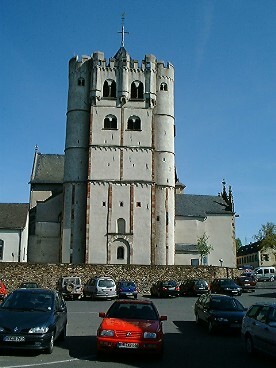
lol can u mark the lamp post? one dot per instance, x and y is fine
(221, 262)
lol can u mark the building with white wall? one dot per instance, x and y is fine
(14, 227)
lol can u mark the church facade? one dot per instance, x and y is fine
(111, 198)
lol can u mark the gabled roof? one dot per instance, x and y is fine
(13, 215)
(48, 169)
(191, 205)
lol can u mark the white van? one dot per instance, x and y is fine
(265, 273)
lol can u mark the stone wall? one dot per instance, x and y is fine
(46, 275)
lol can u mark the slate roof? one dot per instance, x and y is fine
(249, 248)
(48, 168)
(191, 205)
(13, 215)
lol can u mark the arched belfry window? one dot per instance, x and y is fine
(1, 249)
(121, 226)
(163, 87)
(137, 90)
(120, 253)
(109, 89)
(81, 82)
(134, 123)
(110, 122)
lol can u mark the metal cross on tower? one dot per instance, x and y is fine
(123, 32)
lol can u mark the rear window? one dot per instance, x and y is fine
(106, 283)
(226, 304)
(72, 280)
(169, 283)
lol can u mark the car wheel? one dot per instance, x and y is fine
(93, 296)
(50, 347)
(211, 327)
(135, 296)
(249, 347)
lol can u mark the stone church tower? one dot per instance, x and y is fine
(119, 171)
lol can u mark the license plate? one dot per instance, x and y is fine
(171, 288)
(128, 345)
(14, 338)
(128, 293)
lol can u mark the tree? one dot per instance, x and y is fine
(203, 247)
(238, 243)
(267, 236)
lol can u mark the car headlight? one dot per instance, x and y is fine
(39, 329)
(2, 329)
(107, 333)
(221, 319)
(149, 335)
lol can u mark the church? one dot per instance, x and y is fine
(114, 197)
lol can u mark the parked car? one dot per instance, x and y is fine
(3, 290)
(247, 283)
(259, 328)
(194, 287)
(100, 288)
(126, 289)
(165, 289)
(219, 312)
(131, 325)
(70, 287)
(29, 285)
(225, 286)
(265, 273)
(32, 319)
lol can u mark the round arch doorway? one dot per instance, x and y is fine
(120, 252)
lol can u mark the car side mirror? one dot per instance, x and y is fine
(102, 314)
(163, 318)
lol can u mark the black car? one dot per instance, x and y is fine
(165, 288)
(225, 286)
(194, 287)
(247, 283)
(32, 319)
(219, 312)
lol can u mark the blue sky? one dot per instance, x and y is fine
(224, 54)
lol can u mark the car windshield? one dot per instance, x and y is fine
(226, 304)
(106, 283)
(28, 301)
(132, 311)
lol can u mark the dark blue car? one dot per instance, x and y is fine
(32, 319)
(126, 289)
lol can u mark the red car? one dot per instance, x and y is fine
(3, 290)
(132, 326)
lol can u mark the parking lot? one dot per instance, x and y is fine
(186, 344)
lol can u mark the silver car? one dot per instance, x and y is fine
(259, 328)
(100, 288)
